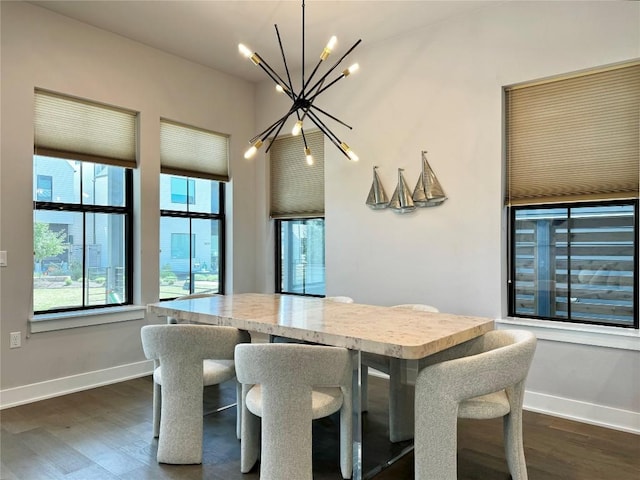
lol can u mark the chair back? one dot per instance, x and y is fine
(292, 364)
(191, 341)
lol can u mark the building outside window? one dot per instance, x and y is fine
(84, 153)
(297, 207)
(194, 169)
(573, 156)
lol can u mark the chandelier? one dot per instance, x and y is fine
(303, 103)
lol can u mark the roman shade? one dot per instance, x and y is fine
(574, 138)
(193, 152)
(297, 188)
(76, 129)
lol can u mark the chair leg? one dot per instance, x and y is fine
(401, 404)
(157, 406)
(249, 434)
(181, 424)
(513, 445)
(436, 440)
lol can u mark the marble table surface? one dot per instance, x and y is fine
(394, 332)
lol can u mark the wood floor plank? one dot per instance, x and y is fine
(106, 434)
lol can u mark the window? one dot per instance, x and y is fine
(297, 205)
(194, 167)
(576, 262)
(82, 231)
(183, 190)
(573, 159)
(301, 258)
(81, 241)
(44, 188)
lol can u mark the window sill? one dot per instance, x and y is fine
(49, 322)
(598, 335)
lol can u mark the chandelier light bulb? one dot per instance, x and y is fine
(331, 44)
(279, 88)
(352, 69)
(350, 153)
(308, 156)
(252, 151)
(297, 128)
(244, 50)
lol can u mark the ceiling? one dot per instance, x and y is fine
(208, 31)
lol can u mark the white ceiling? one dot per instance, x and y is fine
(208, 31)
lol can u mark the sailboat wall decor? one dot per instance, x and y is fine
(401, 201)
(377, 198)
(428, 191)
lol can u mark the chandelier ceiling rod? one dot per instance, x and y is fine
(303, 102)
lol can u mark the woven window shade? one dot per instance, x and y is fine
(193, 152)
(575, 138)
(77, 129)
(297, 189)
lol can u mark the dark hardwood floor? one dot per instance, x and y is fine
(105, 434)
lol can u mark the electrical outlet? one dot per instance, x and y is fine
(15, 340)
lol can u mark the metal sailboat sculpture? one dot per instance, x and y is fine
(428, 191)
(377, 198)
(401, 201)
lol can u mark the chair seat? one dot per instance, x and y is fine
(213, 372)
(492, 405)
(325, 401)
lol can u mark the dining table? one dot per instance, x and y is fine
(403, 334)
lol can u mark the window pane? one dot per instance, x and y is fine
(302, 256)
(65, 178)
(103, 185)
(205, 272)
(174, 260)
(57, 270)
(575, 263)
(181, 274)
(105, 259)
(207, 197)
(44, 188)
(68, 270)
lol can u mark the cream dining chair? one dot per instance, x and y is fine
(284, 387)
(179, 353)
(212, 372)
(482, 378)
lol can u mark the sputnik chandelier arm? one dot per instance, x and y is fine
(303, 102)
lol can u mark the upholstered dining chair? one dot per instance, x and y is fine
(285, 387)
(401, 394)
(179, 353)
(482, 378)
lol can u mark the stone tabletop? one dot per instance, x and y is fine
(395, 332)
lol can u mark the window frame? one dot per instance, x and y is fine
(511, 251)
(126, 210)
(220, 217)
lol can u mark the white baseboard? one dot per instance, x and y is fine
(12, 397)
(601, 415)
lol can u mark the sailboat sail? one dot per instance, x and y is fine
(377, 198)
(428, 191)
(401, 201)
